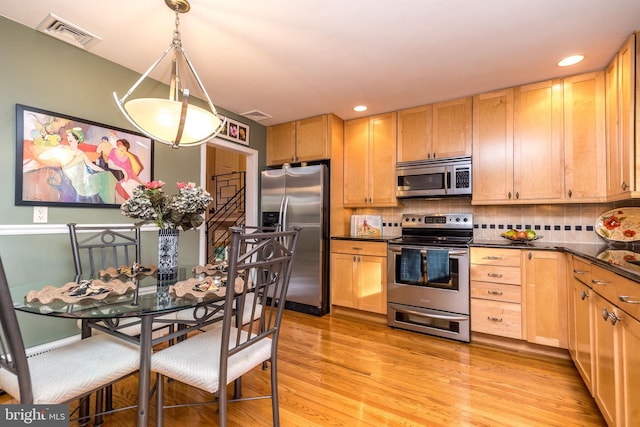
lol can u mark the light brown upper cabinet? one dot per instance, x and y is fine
(369, 161)
(435, 131)
(620, 113)
(537, 141)
(493, 147)
(584, 138)
(300, 141)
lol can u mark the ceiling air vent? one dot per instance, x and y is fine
(256, 115)
(63, 30)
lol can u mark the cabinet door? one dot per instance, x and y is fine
(619, 84)
(452, 128)
(630, 371)
(537, 134)
(493, 147)
(312, 139)
(281, 141)
(584, 138)
(605, 342)
(372, 284)
(382, 160)
(546, 298)
(580, 322)
(414, 134)
(356, 160)
(343, 279)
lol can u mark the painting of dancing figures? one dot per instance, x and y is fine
(66, 161)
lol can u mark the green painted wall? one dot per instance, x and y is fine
(40, 71)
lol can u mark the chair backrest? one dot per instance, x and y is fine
(97, 247)
(13, 357)
(260, 264)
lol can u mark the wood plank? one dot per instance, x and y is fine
(338, 371)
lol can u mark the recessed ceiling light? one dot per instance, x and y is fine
(360, 108)
(570, 60)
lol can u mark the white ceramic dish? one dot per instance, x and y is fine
(619, 225)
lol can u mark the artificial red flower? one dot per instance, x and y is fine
(629, 233)
(153, 185)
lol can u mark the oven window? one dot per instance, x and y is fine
(431, 181)
(412, 267)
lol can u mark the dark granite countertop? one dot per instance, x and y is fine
(614, 256)
(366, 239)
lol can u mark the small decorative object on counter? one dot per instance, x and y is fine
(521, 235)
(366, 226)
(619, 225)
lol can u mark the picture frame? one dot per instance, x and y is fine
(66, 161)
(235, 131)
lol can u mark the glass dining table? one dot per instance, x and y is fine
(148, 302)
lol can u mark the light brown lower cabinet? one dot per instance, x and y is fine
(359, 275)
(545, 298)
(605, 340)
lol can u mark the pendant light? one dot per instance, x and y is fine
(173, 120)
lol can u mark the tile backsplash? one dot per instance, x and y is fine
(556, 223)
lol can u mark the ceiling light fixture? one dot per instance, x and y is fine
(173, 121)
(360, 108)
(570, 60)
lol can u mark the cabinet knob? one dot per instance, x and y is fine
(599, 282)
(509, 195)
(494, 293)
(579, 271)
(613, 318)
(496, 275)
(529, 256)
(605, 314)
(517, 194)
(624, 186)
(584, 295)
(494, 319)
(493, 257)
(570, 193)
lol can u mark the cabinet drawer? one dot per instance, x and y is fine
(496, 274)
(359, 247)
(496, 291)
(495, 256)
(606, 283)
(582, 270)
(496, 318)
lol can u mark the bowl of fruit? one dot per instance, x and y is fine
(521, 235)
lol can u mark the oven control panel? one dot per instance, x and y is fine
(437, 221)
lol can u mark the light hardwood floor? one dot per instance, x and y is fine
(338, 372)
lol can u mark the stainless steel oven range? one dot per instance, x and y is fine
(428, 275)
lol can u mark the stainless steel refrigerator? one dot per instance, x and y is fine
(298, 197)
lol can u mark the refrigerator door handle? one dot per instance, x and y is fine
(281, 212)
(283, 223)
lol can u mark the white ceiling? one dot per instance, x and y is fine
(293, 59)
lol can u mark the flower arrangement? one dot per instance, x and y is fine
(184, 210)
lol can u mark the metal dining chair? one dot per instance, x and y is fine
(259, 265)
(63, 374)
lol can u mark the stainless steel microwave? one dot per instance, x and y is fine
(434, 178)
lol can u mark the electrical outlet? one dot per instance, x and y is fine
(40, 214)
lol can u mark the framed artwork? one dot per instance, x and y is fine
(67, 161)
(236, 132)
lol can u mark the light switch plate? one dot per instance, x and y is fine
(40, 214)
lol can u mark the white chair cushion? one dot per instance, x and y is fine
(196, 360)
(68, 372)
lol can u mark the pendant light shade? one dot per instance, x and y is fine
(173, 120)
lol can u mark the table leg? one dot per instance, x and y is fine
(144, 376)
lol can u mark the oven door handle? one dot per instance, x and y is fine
(433, 316)
(424, 251)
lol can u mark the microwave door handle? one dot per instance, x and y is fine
(448, 180)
